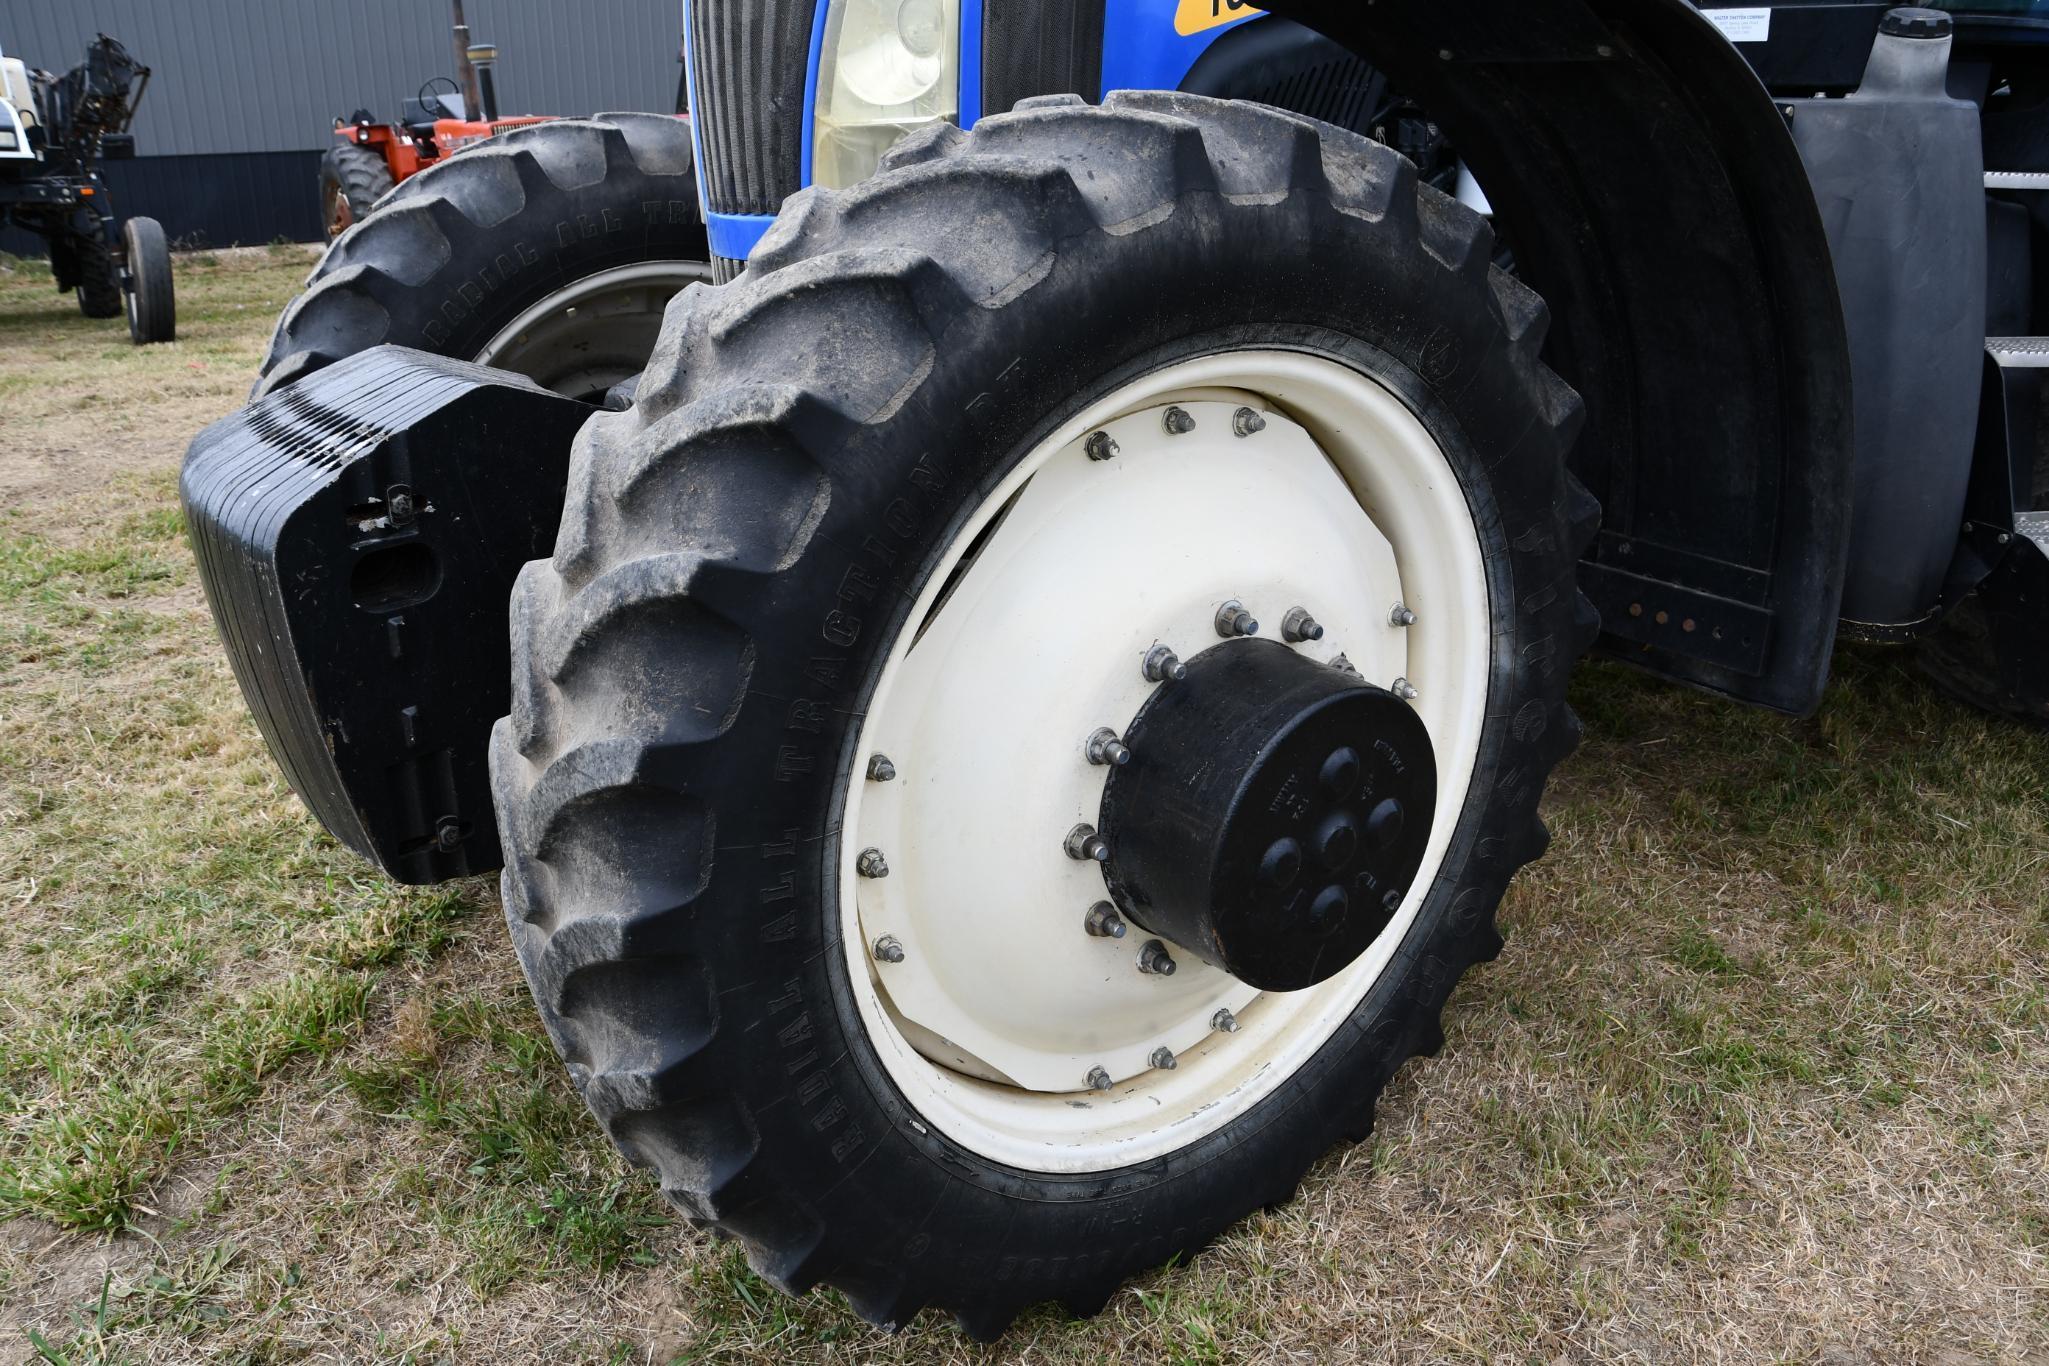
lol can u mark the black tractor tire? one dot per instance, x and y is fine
(152, 304)
(840, 411)
(352, 180)
(460, 251)
(99, 276)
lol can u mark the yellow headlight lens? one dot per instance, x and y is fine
(886, 67)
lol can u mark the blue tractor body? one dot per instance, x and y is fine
(1146, 45)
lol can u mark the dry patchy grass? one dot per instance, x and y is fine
(1763, 1074)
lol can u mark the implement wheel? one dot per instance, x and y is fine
(1033, 711)
(98, 274)
(152, 305)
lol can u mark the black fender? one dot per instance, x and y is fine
(1653, 195)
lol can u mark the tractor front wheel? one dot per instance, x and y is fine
(1034, 709)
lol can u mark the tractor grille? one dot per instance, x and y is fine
(1054, 47)
(1344, 91)
(748, 98)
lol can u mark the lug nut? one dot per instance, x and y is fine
(1405, 690)
(1178, 422)
(1100, 446)
(1233, 621)
(1105, 748)
(1099, 1079)
(1401, 616)
(871, 864)
(1345, 666)
(1299, 626)
(1247, 422)
(1224, 1022)
(1085, 844)
(889, 949)
(880, 769)
(1154, 959)
(1162, 665)
(1103, 922)
(1163, 1058)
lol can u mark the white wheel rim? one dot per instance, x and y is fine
(1344, 504)
(593, 332)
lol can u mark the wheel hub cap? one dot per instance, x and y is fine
(1273, 816)
(1276, 500)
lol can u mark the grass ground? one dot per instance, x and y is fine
(1764, 1073)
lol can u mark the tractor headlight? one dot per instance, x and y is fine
(9, 142)
(885, 67)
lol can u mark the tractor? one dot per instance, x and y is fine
(1003, 727)
(54, 131)
(370, 156)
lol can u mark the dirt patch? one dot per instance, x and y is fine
(88, 415)
(35, 479)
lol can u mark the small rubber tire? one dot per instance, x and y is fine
(152, 303)
(99, 276)
(740, 551)
(352, 180)
(456, 253)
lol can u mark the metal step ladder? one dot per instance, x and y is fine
(1991, 644)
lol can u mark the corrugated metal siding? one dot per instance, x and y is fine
(272, 75)
(222, 199)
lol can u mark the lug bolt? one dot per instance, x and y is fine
(1233, 620)
(1401, 616)
(1177, 421)
(871, 864)
(1084, 844)
(1224, 1022)
(1099, 1079)
(889, 949)
(1299, 626)
(1162, 665)
(1405, 690)
(880, 769)
(1105, 748)
(1154, 960)
(1247, 422)
(1163, 1058)
(1100, 446)
(1344, 666)
(1103, 922)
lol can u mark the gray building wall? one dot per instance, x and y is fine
(245, 92)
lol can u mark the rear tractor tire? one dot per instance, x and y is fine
(549, 251)
(352, 180)
(1085, 530)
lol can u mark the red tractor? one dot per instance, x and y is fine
(369, 157)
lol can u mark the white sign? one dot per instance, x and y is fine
(1742, 25)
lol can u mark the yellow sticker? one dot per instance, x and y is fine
(1193, 16)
